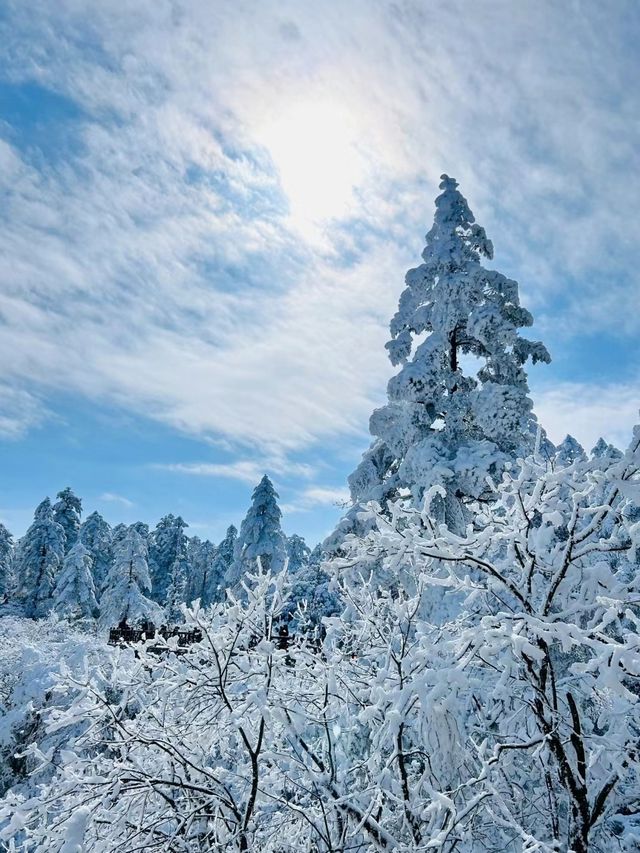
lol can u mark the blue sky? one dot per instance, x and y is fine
(208, 210)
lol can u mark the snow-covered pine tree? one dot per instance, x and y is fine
(298, 553)
(605, 451)
(6, 562)
(311, 589)
(74, 595)
(67, 511)
(223, 561)
(443, 426)
(260, 536)
(167, 541)
(194, 548)
(569, 451)
(179, 582)
(118, 533)
(142, 528)
(38, 559)
(203, 582)
(96, 536)
(128, 582)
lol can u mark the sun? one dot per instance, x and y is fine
(314, 145)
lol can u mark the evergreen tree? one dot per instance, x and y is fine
(96, 536)
(75, 592)
(260, 537)
(118, 534)
(570, 451)
(128, 583)
(39, 556)
(194, 549)
(67, 511)
(221, 569)
(442, 427)
(167, 541)
(178, 585)
(204, 581)
(605, 452)
(6, 562)
(298, 553)
(312, 589)
(142, 528)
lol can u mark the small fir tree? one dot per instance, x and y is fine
(298, 553)
(38, 560)
(605, 452)
(203, 580)
(6, 562)
(75, 593)
(128, 583)
(221, 569)
(569, 451)
(67, 511)
(261, 537)
(97, 537)
(178, 584)
(166, 543)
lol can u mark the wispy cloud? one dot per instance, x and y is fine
(316, 496)
(245, 470)
(19, 412)
(590, 410)
(111, 497)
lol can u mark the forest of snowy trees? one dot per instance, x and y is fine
(462, 671)
(86, 571)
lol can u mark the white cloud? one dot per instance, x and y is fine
(19, 412)
(589, 411)
(246, 470)
(315, 496)
(111, 497)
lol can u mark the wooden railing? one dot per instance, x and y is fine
(125, 634)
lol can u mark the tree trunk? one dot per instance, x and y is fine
(453, 354)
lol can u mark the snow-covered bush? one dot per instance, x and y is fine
(535, 659)
(36, 657)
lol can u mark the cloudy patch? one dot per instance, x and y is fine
(590, 411)
(318, 496)
(112, 497)
(20, 411)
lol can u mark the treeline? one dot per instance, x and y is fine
(88, 570)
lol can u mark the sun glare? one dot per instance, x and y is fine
(314, 147)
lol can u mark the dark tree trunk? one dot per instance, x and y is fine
(453, 353)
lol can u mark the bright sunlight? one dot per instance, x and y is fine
(314, 146)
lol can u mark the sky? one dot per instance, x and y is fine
(208, 209)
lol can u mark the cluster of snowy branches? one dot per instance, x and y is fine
(488, 700)
(87, 570)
